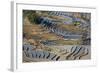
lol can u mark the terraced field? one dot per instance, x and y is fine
(56, 53)
(55, 36)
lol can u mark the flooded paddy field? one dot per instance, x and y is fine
(57, 53)
(56, 36)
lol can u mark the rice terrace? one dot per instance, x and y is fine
(56, 36)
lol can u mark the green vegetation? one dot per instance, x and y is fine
(32, 16)
(76, 23)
